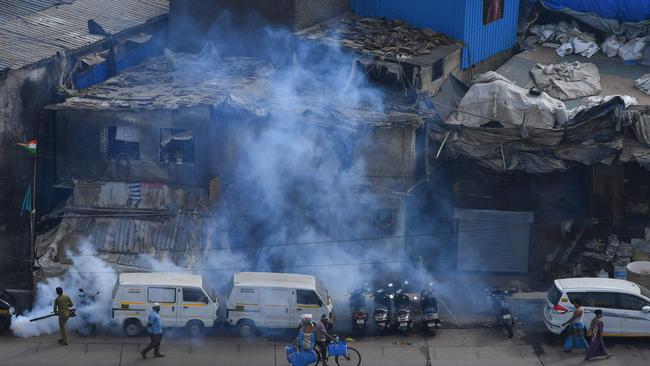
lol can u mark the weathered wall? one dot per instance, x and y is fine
(85, 158)
(23, 93)
(192, 23)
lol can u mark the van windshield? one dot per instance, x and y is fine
(322, 292)
(210, 292)
(554, 295)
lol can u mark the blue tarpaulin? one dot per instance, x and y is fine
(621, 10)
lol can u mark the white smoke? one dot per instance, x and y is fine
(87, 272)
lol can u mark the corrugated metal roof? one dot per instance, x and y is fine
(167, 221)
(39, 35)
(12, 9)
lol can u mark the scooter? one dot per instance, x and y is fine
(403, 321)
(503, 314)
(429, 306)
(87, 299)
(383, 305)
(358, 310)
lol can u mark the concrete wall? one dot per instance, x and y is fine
(86, 158)
(23, 93)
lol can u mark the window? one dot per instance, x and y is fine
(554, 295)
(123, 143)
(161, 294)
(595, 299)
(631, 302)
(492, 11)
(307, 297)
(438, 70)
(385, 220)
(176, 145)
(193, 295)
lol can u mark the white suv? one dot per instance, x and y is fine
(625, 305)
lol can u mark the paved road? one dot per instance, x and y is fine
(450, 347)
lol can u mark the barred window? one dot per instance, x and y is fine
(492, 11)
(176, 145)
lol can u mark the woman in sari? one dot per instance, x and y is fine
(597, 346)
(576, 329)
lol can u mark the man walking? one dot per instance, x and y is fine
(62, 306)
(155, 332)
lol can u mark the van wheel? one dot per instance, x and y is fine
(194, 328)
(246, 328)
(132, 327)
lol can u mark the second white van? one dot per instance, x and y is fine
(274, 300)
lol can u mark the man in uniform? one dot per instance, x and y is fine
(154, 329)
(62, 306)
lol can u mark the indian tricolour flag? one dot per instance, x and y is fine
(29, 146)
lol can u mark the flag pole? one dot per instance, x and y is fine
(32, 219)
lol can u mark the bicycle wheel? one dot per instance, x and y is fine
(353, 358)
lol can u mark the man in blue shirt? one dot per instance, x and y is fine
(155, 332)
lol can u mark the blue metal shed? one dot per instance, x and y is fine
(461, 19)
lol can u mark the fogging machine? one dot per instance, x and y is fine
(73, 313)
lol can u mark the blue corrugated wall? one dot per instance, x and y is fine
(461, 19)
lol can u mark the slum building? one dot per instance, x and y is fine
(49, 50)
(549, 179)
(157, 150)
(391, 52)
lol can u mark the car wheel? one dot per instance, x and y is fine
(132, 327)
(245, 328)
(194, 328)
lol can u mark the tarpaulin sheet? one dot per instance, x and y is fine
(622, 10)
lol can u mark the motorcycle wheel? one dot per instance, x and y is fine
(510, 330)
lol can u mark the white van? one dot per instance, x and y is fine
(184, 301)
(274, 300)
(625, 305)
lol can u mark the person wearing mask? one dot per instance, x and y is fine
(597, 346)
(322, 338)
(576, 327)
(155, 333)
(62, 307)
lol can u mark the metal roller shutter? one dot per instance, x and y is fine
(495, 241)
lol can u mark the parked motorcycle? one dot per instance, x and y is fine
(86, 299)
(503, 314)
(383, 306)
(358, 309)
(403, 319)
(429, 306)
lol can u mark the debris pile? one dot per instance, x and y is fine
(379, 36)
(567, 39)
(600, 257)
(643, 83)
(567, 81)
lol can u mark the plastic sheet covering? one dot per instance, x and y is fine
(502, 101)
(567, 81)
(621, 10)
(643, 83)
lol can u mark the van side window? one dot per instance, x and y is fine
(631, 302)
(307, 297)
(161, 294)
(193, 295)
(595, 299)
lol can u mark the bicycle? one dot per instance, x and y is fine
(343, 354)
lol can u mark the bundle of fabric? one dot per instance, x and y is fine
(567, 81)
